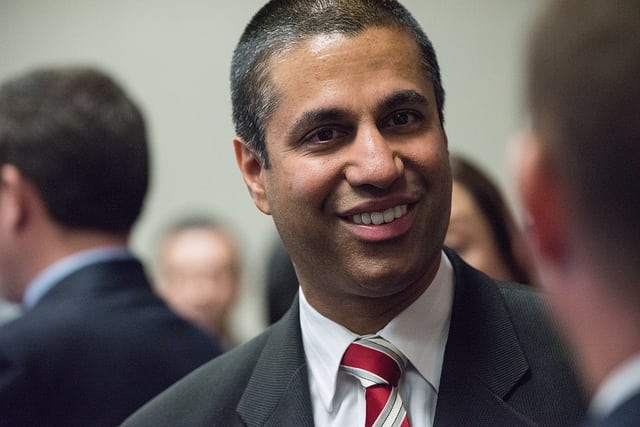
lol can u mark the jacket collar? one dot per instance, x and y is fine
(281, 371)
(483, 359)
(476, 377)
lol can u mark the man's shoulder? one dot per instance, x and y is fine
(29, 333)
(482, 292)
(208, 395)
(528, 307)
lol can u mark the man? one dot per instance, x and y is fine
(94, 343)
(198, 274)
(579, 180)
(338, 111)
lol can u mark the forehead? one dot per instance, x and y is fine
(322, 68)
(185, 243)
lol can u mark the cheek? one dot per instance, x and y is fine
(431, 158)
(301, 184)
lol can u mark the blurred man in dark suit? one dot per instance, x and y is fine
(94, 342)
(579, 180)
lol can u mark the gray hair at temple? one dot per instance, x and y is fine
(282, 25)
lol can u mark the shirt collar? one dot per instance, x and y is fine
(623, 383)
(420, 332)
(50, 276)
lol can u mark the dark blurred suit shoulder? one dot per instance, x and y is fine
(96, 347)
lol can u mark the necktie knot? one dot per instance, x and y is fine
(378, 365)
(374, 360)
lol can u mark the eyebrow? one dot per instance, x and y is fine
(401, 98)
(312, 118)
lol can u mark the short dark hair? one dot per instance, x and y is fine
(583, 94)
(282, 24)
(493, 207)
(76, 135)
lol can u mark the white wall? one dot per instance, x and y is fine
(173, 56)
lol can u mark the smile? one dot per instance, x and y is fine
(377, 218)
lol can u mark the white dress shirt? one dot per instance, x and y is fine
(618, 387)
(420, 332)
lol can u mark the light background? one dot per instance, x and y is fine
(173, 57)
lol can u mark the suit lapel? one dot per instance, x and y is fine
(483, 359)
(483, 362)
(278, 392)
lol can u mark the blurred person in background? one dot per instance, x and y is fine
(198, 273)
(282, 283)
(94, 342)
(578, 172)
(482, 229)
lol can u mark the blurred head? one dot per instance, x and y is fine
(198, 272)
(482, 229)
(80, 140)
(73, 169)
(581, 175)
(284, 24)
(578, 170)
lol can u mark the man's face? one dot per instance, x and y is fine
(199, 276)
(359, 184)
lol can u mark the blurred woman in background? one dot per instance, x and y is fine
(482, 229)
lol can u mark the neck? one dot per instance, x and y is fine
(367, 314)
(603, 329)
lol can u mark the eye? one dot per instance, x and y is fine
(323, 136)
(401, 118)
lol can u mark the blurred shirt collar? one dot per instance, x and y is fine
(50, 276)
(621, 385)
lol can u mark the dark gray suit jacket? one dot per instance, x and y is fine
(94, 349)
(503, 366)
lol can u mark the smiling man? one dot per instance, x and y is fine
(338, 108)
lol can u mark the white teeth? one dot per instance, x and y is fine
(377, 218)
(389, 215)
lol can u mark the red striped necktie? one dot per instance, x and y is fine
(378, 365)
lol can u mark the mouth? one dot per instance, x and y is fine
(377, 218)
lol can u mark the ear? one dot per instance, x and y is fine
(252, 173)
(546, 216)
(13, 198)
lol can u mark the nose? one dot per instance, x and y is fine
(373, 161)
